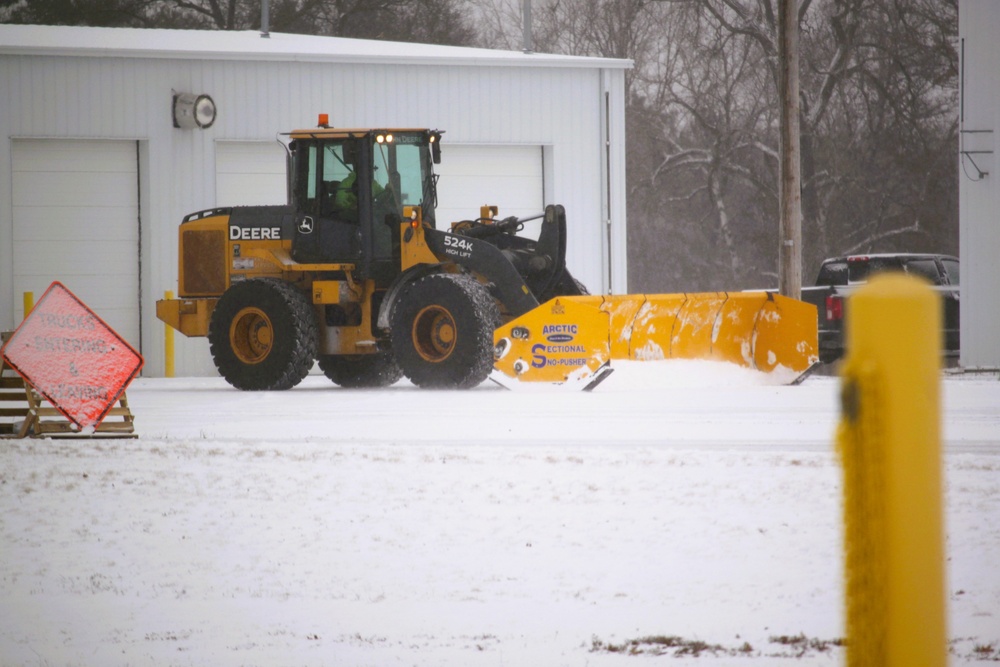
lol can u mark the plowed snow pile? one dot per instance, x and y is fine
(684, 510)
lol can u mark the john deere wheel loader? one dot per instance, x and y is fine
(354, 275)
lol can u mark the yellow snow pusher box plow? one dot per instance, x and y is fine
(573, 339)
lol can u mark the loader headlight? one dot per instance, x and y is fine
(501, 349)
(434, 139)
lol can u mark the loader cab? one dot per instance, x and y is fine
(349, 188)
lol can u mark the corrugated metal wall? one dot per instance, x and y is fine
(560, 108)
(979, 183)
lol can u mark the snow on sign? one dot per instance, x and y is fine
(72, 357)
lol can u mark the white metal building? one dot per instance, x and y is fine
(979, 182)
(95, 177)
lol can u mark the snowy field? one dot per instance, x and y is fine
(686, 512)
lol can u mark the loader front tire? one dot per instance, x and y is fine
(361, 371)
(263, 335)
(442, 331)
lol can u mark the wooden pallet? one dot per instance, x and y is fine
(13, 399)
(24, 412)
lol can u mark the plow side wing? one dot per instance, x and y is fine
(570, 338)
(786, 335)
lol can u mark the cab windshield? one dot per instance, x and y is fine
(403, 174)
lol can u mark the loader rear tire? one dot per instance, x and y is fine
(361, 371)
(442, 331)
(263, 335)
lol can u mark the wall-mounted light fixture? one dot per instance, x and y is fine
(193, 111)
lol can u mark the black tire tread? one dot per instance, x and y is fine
(361, 371)
(477, 317)
(291, 314)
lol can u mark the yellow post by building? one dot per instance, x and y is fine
(29, 303)
(890, 445)
(168, 344)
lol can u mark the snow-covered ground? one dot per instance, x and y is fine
(693, 505)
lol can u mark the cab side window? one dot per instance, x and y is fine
(337, 184)
(305, 182)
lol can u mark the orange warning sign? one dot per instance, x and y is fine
(72, 357)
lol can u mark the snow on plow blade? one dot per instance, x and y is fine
(573, 338)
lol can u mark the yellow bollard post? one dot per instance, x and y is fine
(168, 344)
(890, 447)
(29, 303)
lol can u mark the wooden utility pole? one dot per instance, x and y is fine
(789, 173)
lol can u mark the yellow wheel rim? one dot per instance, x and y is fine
(434, 333)
(251, 335)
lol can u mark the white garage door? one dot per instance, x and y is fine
(507, 176)
(76, 220)
(249, 173)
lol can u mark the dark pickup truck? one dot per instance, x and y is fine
(839, 276)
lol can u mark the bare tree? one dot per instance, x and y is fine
(433, 21)
(878, 130)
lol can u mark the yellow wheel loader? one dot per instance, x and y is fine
(354, 275)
